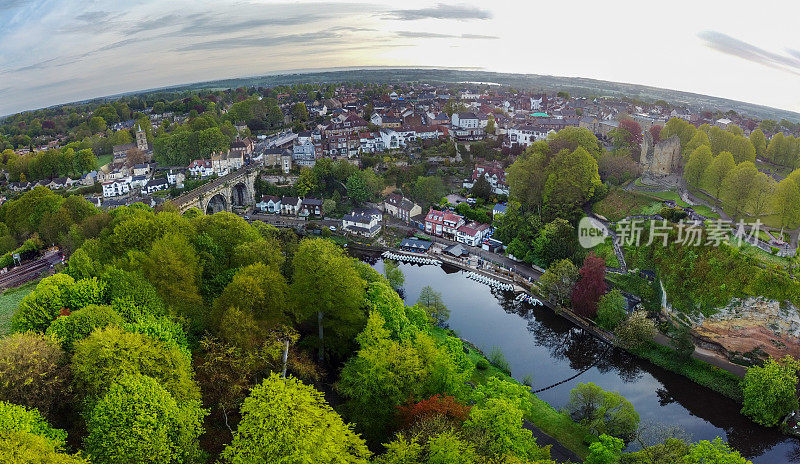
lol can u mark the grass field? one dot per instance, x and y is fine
(104, 159)
(9, 300)
(619, 204)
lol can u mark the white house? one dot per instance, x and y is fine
(366, 222)
(201, 168)
(465, 120)
(269, 204)
(176, 178)
(526, 134)
(472, 234)
(304, 153)
(290, 206)
(154, 185)
(116, 187)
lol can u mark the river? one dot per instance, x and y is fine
(539, 343)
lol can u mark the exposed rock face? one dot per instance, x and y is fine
(660, 161)
(754, 326)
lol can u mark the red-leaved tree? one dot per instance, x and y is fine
(436, 405)
(633, 129)
(655, 131)
(590, 286)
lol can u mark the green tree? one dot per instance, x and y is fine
(137, 420)
(720, 166)
(763, 191)
(482, 188)
(111, 353)
(571, 181)
(78, 325)
(526, 177)
(607, 450)
(602, 411)
(759, 142)
(558, 280)
(431, 301)
(699, 139)
(428, 190)
(33, 371)
(611, 309)
(27, 448)
(787, 191)
(770, 391)
(327, 287)
(284, 420)
(636, 331)
(259, 291)
(38, 309)
(300, 112)
(737, 189)
(393, 274)
(500, 422)
(306, 182)
(357, 188)
(15, 418)
(682, 343)
(556, 240)
(698, 163)
(713, 452)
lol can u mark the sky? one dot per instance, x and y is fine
(54, 52)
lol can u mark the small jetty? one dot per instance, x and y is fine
(410, 258)
(489, 281)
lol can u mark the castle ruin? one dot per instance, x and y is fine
(660, 161)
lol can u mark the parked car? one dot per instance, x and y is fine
(332, 228)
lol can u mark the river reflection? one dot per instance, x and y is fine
(539, 343)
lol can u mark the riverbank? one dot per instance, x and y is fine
(568, 439)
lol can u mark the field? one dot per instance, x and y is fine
(619, 204)
(9, 300)
(104, 159)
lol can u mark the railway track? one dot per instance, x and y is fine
(26, 272)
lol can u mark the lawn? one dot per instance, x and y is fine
(104, 159)
(9, 300)
(619, 204)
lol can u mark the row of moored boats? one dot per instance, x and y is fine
(411, 259)
(528, 299)
(490, 282)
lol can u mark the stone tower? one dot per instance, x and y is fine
(141, 139)
(660, 161)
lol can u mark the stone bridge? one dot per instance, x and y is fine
(236, 189)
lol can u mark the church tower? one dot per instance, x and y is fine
(141, 139)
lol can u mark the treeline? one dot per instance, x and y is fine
(198, 138)
(47, 164)
(548, 185)
(147, 290)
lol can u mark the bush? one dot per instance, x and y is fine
(611, 309)
(21, 419)
(482, 364)
(637, 331)
(498, 359)
(770, 391)
(682, 342)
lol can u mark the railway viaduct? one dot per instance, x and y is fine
(236, 189)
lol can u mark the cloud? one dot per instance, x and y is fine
(726, 44)
(460, 12)
(436, 35)
(261, 42)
